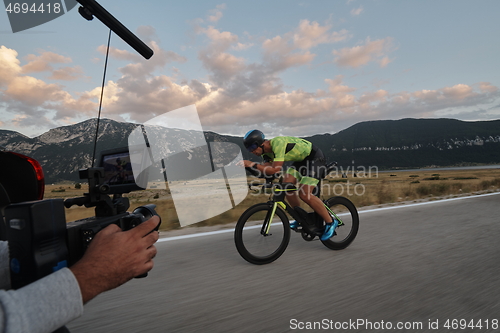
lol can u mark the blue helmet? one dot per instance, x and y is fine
(253, 139)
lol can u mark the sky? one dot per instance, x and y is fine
(285, 67)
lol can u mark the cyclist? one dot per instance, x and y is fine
(308, 169)
(121, 170)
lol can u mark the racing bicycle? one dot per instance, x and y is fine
(263, 231)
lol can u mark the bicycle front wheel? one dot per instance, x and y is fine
(349, 226)
(259, 237)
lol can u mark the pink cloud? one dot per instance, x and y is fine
(363, 54)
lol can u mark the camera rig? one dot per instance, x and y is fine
(40, 240)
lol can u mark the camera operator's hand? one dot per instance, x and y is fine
(115, 256)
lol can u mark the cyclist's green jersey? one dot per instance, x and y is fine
(288, 148)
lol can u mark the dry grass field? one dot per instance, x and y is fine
(368, 189)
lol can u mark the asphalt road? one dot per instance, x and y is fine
(416, 266)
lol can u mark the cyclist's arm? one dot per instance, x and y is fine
(268, 168)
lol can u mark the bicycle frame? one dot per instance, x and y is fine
(285, 206)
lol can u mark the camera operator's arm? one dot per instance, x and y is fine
(115, 256)
(4, 265)
(42, 306)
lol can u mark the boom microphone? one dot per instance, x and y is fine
(91, 8)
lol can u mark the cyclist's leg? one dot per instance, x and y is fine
(306, 194)
(312, 172)
(292, 197)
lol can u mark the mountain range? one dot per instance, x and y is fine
(414, 143)
(386, 144)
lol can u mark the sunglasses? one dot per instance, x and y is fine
(253, 147)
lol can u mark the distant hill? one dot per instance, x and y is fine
(414, 143)
(64, 150)
(406, 143)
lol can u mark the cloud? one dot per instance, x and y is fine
(336, 87)
(235, 78)
(11, 68)
(254, 96)
(293, 48)
(215, 57)
(119, 54)
(219, 41)
(235, 93)
(357, 11)
(32, 91)
(374, 97)
(42, 62)
(141, 100)
(242, 47)
(310, 34)
(9, 65)
(29, 98)
(432, 103)
(487, 87)
(384, 62)
(363, 54)
(147, 33)
(24, 121)
(67, 73)
(139, 66)
(224, 66)
(279, 56)
(216, 14)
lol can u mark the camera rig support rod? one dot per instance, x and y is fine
(97, 196)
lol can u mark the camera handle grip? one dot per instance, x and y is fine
(75, 201)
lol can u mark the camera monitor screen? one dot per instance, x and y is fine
(118, 170)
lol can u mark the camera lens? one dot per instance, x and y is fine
(146, 212)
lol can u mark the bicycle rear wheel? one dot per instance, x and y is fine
(348, 229)
(258, 239)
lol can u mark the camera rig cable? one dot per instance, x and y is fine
(100, 101)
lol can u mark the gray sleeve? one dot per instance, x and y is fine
(42, 306)
(4, 265)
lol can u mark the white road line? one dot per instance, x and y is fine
(202, 234)
(426, 203)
